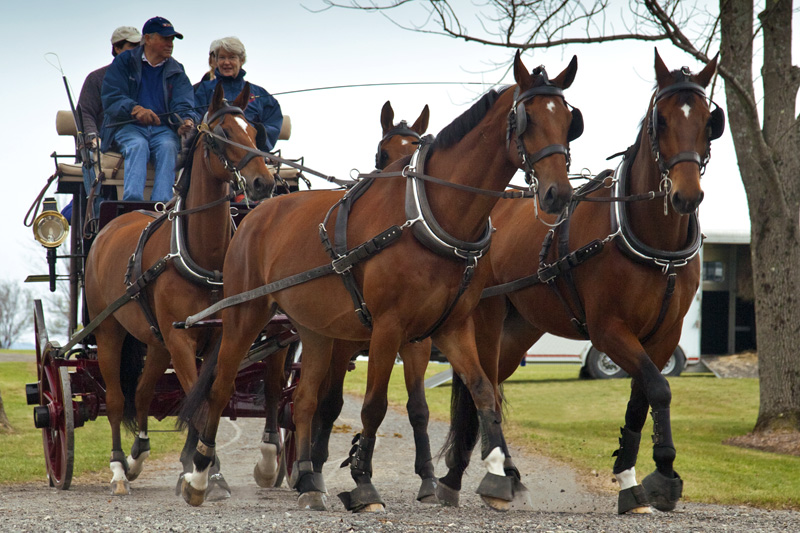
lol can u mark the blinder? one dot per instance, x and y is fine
(716, 123)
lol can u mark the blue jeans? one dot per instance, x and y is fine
(140, 144)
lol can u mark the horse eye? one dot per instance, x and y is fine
(661, 122)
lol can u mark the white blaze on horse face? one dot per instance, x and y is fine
(494, 462)
(241, 122)
(551, 106)
(686, 110)
(404, 141)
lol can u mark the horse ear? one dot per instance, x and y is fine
(387, 117)
(244, 97)
(521, 74)
(421, 124)
(216, 99)
(567, 76)
(663, 77)
(704, 76)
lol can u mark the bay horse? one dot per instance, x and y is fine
(629, 299)
(397, 141)
(424, 282)
(189, 282)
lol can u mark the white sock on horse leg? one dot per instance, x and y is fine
(117, 470)
(494, 462)
(626, 478)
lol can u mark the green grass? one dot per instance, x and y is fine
(551, 411)
(22, 456)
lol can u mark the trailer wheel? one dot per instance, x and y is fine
(55, 412)
(600, 366)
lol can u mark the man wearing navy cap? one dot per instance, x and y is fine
(148, 102)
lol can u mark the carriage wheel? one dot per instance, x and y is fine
(56, 421)
(288, 455)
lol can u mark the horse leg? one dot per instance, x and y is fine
(384, 344)
(212, 392)
(648, 388)
(664, 486)
(316, 362)
(330, 407)
(267, 470)
(458, 343)
(155, 365)
(415, 361)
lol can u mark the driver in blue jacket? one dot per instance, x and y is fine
(263, 110)
(148, 101)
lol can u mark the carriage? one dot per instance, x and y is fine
(70, 390)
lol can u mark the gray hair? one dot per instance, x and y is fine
(229, 44)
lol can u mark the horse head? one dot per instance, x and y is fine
(398, 140)
(544, 124)
(681, 126)
(235, 142)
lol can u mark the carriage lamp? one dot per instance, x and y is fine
(50, 228)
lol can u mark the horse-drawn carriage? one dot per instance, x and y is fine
(70, 389)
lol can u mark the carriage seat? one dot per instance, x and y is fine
(72, 172)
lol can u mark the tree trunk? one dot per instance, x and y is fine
(5, 425)
(769, 166)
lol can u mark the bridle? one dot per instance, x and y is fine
(716, 127)
(400, 129)
(518, 121)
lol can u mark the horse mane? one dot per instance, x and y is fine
(464, 123)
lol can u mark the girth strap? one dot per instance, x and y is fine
(672, 277)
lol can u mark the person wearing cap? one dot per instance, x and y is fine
(148, 102)
(263, 110)
(90, 106)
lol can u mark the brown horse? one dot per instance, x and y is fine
(630, 298)
(397, 141)
(416, 286)
(183, 287)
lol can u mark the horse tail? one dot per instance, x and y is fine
(463, 434)
(130, 369)
(195, 404)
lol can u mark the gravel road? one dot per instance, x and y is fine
(561, 503)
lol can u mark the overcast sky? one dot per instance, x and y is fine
(291, 48)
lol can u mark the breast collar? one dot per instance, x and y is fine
(424, 225)
(183, 261)
(628, 242)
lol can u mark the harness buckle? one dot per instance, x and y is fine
(336, 264)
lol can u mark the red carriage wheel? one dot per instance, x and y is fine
(288, 455)
(55, 413)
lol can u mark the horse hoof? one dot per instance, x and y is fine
(191, 495)
(217, 489)
(264, 479)
(121, 487)
(427, 491)
(496, 504)
(447, 497)
(663, 492)
(313, 501)
(633, 500)
(373, 508)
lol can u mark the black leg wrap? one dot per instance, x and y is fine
(307, 480)
(423, 464)
(628, 450)
(500, 487)
(139, 447)
(427, 491)
(631, 499)
(203, 455)
(360, 458)
(662, 491)
(663, 448)
(491, 431)
(118, 456)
